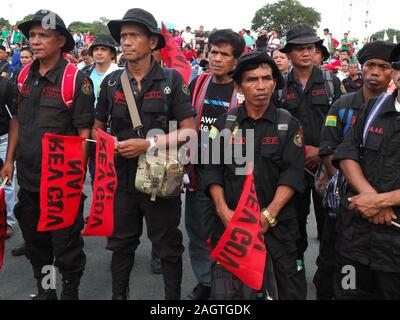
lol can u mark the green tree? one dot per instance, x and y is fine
(4, 22)
(80, 26)
(99, 28)
(283, 14)
(390, 32)
(96, 28)
(26, 18)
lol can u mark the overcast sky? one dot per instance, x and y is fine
(216, 13)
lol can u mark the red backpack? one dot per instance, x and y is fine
(67, 83)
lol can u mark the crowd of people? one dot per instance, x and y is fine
(324, 117)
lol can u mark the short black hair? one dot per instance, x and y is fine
(326, 30)
(84, 52)
(348, 61)
(230, 37)
(25, 48)
(199, 53)
(250, 67)
(3, 48)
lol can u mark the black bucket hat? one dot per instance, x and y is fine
(105, 41)
(301, 33)
(140, 16)
(38, 17)
(255, 58)
(395, 57)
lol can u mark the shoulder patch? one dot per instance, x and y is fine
(299, 138)
(87, 87)
(331, 121)
(343, 89)
(213, 133)
(185, 89)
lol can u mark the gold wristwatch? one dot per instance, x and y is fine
(271, 220)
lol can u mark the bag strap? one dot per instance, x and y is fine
(329, 87)
(231, 118)
(284, 119)
(282, 93)
(346, 111)
(68, 84)
(373, 114)
(23, 75)
(130, 100)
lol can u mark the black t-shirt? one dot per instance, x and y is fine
(353, 85)
(7, 94)
(216, 103)
(4, 66)
(200, 42)
(40, 109)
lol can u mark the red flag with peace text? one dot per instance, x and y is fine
(173, 58)
(61, 185)
(241, 249)
(3, 225)
(101, 219)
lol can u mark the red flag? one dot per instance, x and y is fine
(62, 180)
(3, 225)
(241, 249)
(173, 58)
(101, 219)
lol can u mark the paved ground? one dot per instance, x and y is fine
(16, 280)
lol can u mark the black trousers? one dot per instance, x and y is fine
(62, 247)
(290, 282)
(369, 284)
(162, 222)
(323, 278)
(302, 204)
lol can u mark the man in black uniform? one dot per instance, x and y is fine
(154, 90)
(40, 109)
(308, 96)
(375, 60)
(278, 167)
(7, 95)
(368, 244)
(213, 94)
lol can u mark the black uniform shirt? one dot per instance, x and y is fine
(275, 162)
(7, 95)
(310, 104)
(41, 110)
(360, 240)
(151, 106)
(353, 85)
(332, 133)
